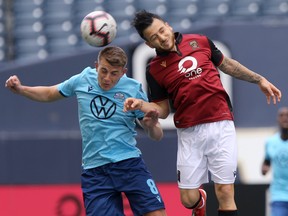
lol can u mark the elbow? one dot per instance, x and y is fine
(164, 114)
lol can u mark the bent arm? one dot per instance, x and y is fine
(265, 167)
(36, 93)
(41, 93)
(162, 107)
(151, 125)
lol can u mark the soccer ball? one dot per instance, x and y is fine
(98, 28)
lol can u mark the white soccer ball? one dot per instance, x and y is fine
(98, 28)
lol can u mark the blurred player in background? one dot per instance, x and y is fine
(185, 72)
(276, 157)
(111, 162)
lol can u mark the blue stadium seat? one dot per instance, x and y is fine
(83, 7)
(215, 10)
(28, 30)
(58, 9)
(275, 8)
(159, 7)
(3, 47)
(246, 9)
(62, 45)
(181, 14)
(30, 49)
(122, 11)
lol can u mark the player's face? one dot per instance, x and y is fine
(160, 35)
(108, 75)
(283, 118)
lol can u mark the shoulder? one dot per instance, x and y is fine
(200, 37)
(131, 86)
(273, 139)
(129, 81)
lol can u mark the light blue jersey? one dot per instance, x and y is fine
(276, 150)
(108, 133)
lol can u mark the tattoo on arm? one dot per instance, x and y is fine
(237, 70)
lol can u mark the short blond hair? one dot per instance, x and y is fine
(114, 55)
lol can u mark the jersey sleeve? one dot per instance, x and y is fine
(266, 154)
(155, 91)
(216, 55)
(67, 88)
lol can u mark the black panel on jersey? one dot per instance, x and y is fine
(216, 54)
(161, 92)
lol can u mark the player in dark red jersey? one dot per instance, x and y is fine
(185, 71)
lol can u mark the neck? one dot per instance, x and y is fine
(284, 133)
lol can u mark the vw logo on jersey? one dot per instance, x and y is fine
(188, 66)
(102, 107)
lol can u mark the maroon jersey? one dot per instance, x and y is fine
(190, 79)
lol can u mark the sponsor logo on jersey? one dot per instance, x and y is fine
(102, 107)
(189, 67)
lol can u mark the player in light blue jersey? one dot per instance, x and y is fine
(112, 164)
(276, 157)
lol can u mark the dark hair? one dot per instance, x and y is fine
(114, 55)
(143, 20)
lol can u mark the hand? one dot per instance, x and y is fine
(13, 84)
(131, 104)
(151, 118)
(265, 169)
(270, 91)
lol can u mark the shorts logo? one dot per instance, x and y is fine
(102, 107)
(178, 175)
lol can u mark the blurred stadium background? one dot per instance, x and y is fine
(40, 145)
(38, 29)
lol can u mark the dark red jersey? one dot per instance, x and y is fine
(190, 79)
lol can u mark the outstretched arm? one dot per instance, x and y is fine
(36, 93)
(237, 70)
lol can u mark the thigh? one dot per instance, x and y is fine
(192, 168)
(222, 152)
(100, 197)
(279, 208)
(139, 187)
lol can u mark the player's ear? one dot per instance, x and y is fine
(148, 44)
(124, 70)
(96, 64)
(167, 24)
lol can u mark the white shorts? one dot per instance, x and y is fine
(210, 146)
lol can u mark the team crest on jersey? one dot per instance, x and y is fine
(120, 96)
(194, 44)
